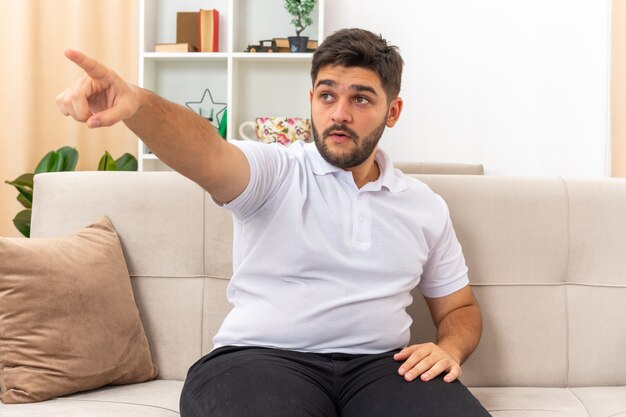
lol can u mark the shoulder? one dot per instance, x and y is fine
(259, 153)
(421, 191)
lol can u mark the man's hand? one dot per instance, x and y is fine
(100, 97)
(427, 361)
(459, 325)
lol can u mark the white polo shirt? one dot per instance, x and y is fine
(322, 266)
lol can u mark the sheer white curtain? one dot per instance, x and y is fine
(33, 71)
(618, 88)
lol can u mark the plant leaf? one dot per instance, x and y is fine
(22, 222)
(63, 159)
(68, 158)
(24, 201)
(48, 162)
(126, 162)
(25, 180)
(107, 163)
(24, 185)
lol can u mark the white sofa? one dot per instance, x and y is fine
(547, 261)
(445, 168)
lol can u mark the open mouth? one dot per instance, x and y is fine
(339, 136)
(340, 133)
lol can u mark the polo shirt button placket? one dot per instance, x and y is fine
(362, 231)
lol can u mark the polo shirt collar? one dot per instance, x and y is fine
(388, 177)
(319, 164)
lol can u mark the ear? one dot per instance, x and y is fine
(311, 96)
(395, 108)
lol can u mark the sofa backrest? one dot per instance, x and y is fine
(440, 168)
(546, 256)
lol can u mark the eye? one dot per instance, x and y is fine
(362, 100)
(326, 97)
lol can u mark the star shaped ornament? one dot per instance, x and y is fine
(208, 108)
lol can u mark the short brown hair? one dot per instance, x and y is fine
(361, 48)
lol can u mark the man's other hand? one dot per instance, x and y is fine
(100, 97)
(427, 361)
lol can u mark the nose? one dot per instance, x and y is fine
(342, 112)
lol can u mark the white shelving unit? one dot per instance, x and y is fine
(252, 84)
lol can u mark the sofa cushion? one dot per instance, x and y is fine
(149, 399)
(161, 399)
(530, 402)
(597, 271)
(68, 320)
(603, 401)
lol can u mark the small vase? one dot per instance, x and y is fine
(298, 43)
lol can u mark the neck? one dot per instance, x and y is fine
(368, 171)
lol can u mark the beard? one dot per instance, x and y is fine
(359, 154)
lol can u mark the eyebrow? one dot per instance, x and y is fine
(356, 87)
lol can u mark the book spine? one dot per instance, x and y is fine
(209, 30)
(200, 43)
(216, 30)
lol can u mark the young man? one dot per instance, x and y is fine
(329, 242)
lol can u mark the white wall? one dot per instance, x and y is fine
(521, 86)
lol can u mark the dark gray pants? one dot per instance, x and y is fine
(261, 382)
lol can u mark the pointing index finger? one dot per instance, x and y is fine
(92, 67)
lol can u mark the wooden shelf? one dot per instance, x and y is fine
(251, 84)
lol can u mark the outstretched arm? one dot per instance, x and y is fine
(179, 137)
(459, 326)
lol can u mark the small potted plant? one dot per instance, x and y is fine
(300, 10)
(61, 160)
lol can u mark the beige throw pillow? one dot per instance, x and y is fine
(68, 319)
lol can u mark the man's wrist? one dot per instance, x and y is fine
(451, 350)
(141, 102)
(141, 96)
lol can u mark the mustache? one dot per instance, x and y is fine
(342, 127)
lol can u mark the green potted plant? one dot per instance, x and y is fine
(61, 160)
(300, 11)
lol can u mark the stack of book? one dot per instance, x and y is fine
(209, 30)
(195, 32)
(175, 47)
